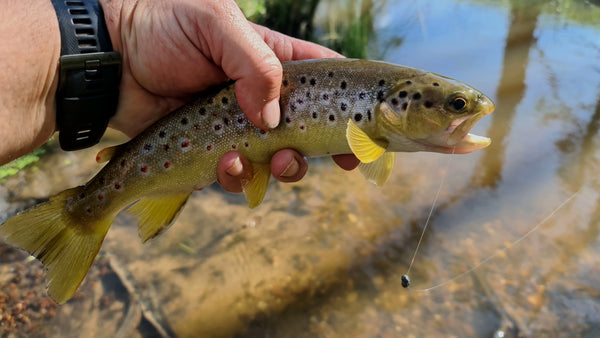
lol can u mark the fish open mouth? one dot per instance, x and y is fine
(460, 141)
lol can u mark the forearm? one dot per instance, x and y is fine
(29, 59)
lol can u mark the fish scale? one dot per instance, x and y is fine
(337, 106)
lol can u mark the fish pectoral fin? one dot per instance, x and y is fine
(106, 154)
(256, 187)
(363, 147)
(156, 213)
(379, 170)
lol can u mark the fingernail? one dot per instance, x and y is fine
(291, 169)
(236, 168)
(270, 113)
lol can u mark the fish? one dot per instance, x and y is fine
(371, 109)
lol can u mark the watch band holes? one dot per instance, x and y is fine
(74, 3)
(82, 21)
(78, 11)
(84, 31)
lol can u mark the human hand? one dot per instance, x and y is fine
(173, 49)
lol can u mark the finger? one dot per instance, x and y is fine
(288, 165)
(232, 168)
(346, 161)
(244, 57)
(287, 48)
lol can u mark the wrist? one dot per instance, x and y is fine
(29, 78)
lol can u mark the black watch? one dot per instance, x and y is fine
(90, 73)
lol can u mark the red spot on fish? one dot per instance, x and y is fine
(144, 169)
(233, 146)
(117, 185)
(209, 147)
(262, 131)
(196, 126)
(100, 197)
(185, 144)
(167, 165)
(240, 120)
(218, 127)
(302, 127)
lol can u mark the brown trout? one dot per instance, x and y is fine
(328, 107)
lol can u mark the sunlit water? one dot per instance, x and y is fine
(325, 256)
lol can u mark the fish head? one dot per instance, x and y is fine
(433, 113)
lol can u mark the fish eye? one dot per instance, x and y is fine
(458, 103)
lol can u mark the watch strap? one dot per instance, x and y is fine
(90, 72)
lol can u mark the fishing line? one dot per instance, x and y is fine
(517, 241)
(405, 278)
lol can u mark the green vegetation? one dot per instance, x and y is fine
(13, 167)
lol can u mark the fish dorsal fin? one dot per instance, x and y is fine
(156, 213)
(256, 187)
(379, 170)
(106, 154)
(365, 149)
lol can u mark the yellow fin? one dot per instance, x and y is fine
(156, 213)
(65, 247)
(361, 144)
(378, 171)
(256, 187)
(106, 154)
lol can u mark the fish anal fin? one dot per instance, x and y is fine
(106, 154)
(256, 187)
(365, 149)
(65, 246)
(156, 213)
(379, 170)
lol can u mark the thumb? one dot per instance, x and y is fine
(244, 57)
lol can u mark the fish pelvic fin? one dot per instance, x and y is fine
(255, 188)
(379, 170)
(106, 154)
(65, 246)
(155, 214)
(363, 147)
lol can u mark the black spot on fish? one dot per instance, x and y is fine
(303, 79)
(362, 95)
(380, 96)
(408, 82)
(395, 101)
(162, 134)
(315, 115)
(402, 94)
(246, 144)
(117, 186)
(88, 210)
(308, 95)
(343, 106)
(285, 83)
(210, 100)
(313, 82)
(428, 104)
(369, 115)
(123, 162)
(218, 127)
(184, 121)
(233, 146)
(81, 196)
(330, 74)
(226, 121)
(336, 93)
(343, 85)
(225, 100)
(300, 101)
(381, 82)
(405, 106)
(166, 147)
(292, 107)
(240, 119)
(325, 96)
(167, 165)
(435, 84)
(202, 111)
(148, 147)
(331, 117)
(417, 96)
(262, 131)
(196, 126)
(288, 120)
(358, 117)
(101, 180)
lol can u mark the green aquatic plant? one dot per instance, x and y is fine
(15, 166)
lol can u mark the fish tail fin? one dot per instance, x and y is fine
(67, 247)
